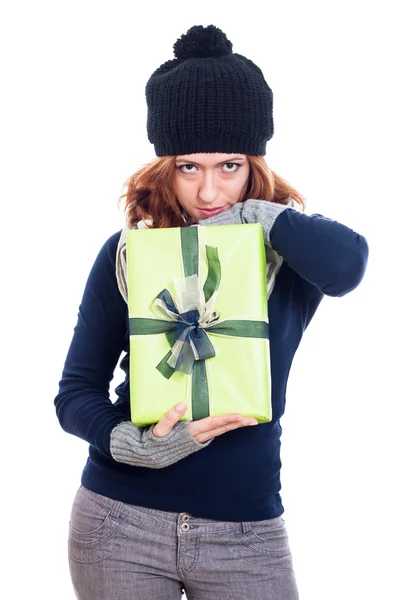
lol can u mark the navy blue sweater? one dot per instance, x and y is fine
(237, 476)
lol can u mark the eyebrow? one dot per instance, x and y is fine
(192, 162)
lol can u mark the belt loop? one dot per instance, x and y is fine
(115, 510)
(246, 527)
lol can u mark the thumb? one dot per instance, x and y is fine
(167, 422)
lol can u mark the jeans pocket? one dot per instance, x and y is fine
(261, 545)
(93, 518)
(267, 539)
(96, 527)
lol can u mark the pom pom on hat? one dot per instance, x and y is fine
(201, 42)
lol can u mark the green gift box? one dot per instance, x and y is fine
(198, 322)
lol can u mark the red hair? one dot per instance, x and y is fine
(150, 191)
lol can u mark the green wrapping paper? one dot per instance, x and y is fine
(198, 318)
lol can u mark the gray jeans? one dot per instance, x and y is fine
(119, 551)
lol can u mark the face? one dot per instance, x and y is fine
(208, 183)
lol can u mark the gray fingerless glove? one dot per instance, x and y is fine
(250, 211)
(139, 447)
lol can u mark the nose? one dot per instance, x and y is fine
(208, 192)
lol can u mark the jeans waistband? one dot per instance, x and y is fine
(170, 520)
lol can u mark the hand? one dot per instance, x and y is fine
(202, 429)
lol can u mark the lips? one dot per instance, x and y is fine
(211, 212)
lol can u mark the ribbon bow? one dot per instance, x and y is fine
(192, 313)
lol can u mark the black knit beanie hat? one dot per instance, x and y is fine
(208, 99)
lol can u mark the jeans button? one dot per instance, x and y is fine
(185, 527)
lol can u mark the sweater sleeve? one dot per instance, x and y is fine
(83, 404)
(329, 256)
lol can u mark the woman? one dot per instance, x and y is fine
(195, 505)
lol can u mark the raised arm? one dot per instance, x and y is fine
(327, 254)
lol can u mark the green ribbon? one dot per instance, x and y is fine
(230, 328)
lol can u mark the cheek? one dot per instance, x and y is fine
(243, 185)
(179, 187)
(183, 191)
(237, 189)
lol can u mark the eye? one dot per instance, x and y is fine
(233, 170)
(191, 170)
(189, 165)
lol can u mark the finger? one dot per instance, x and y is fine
(203, 436)
(214, 422)
(167, 422)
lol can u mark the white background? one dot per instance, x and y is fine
(73, 129)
